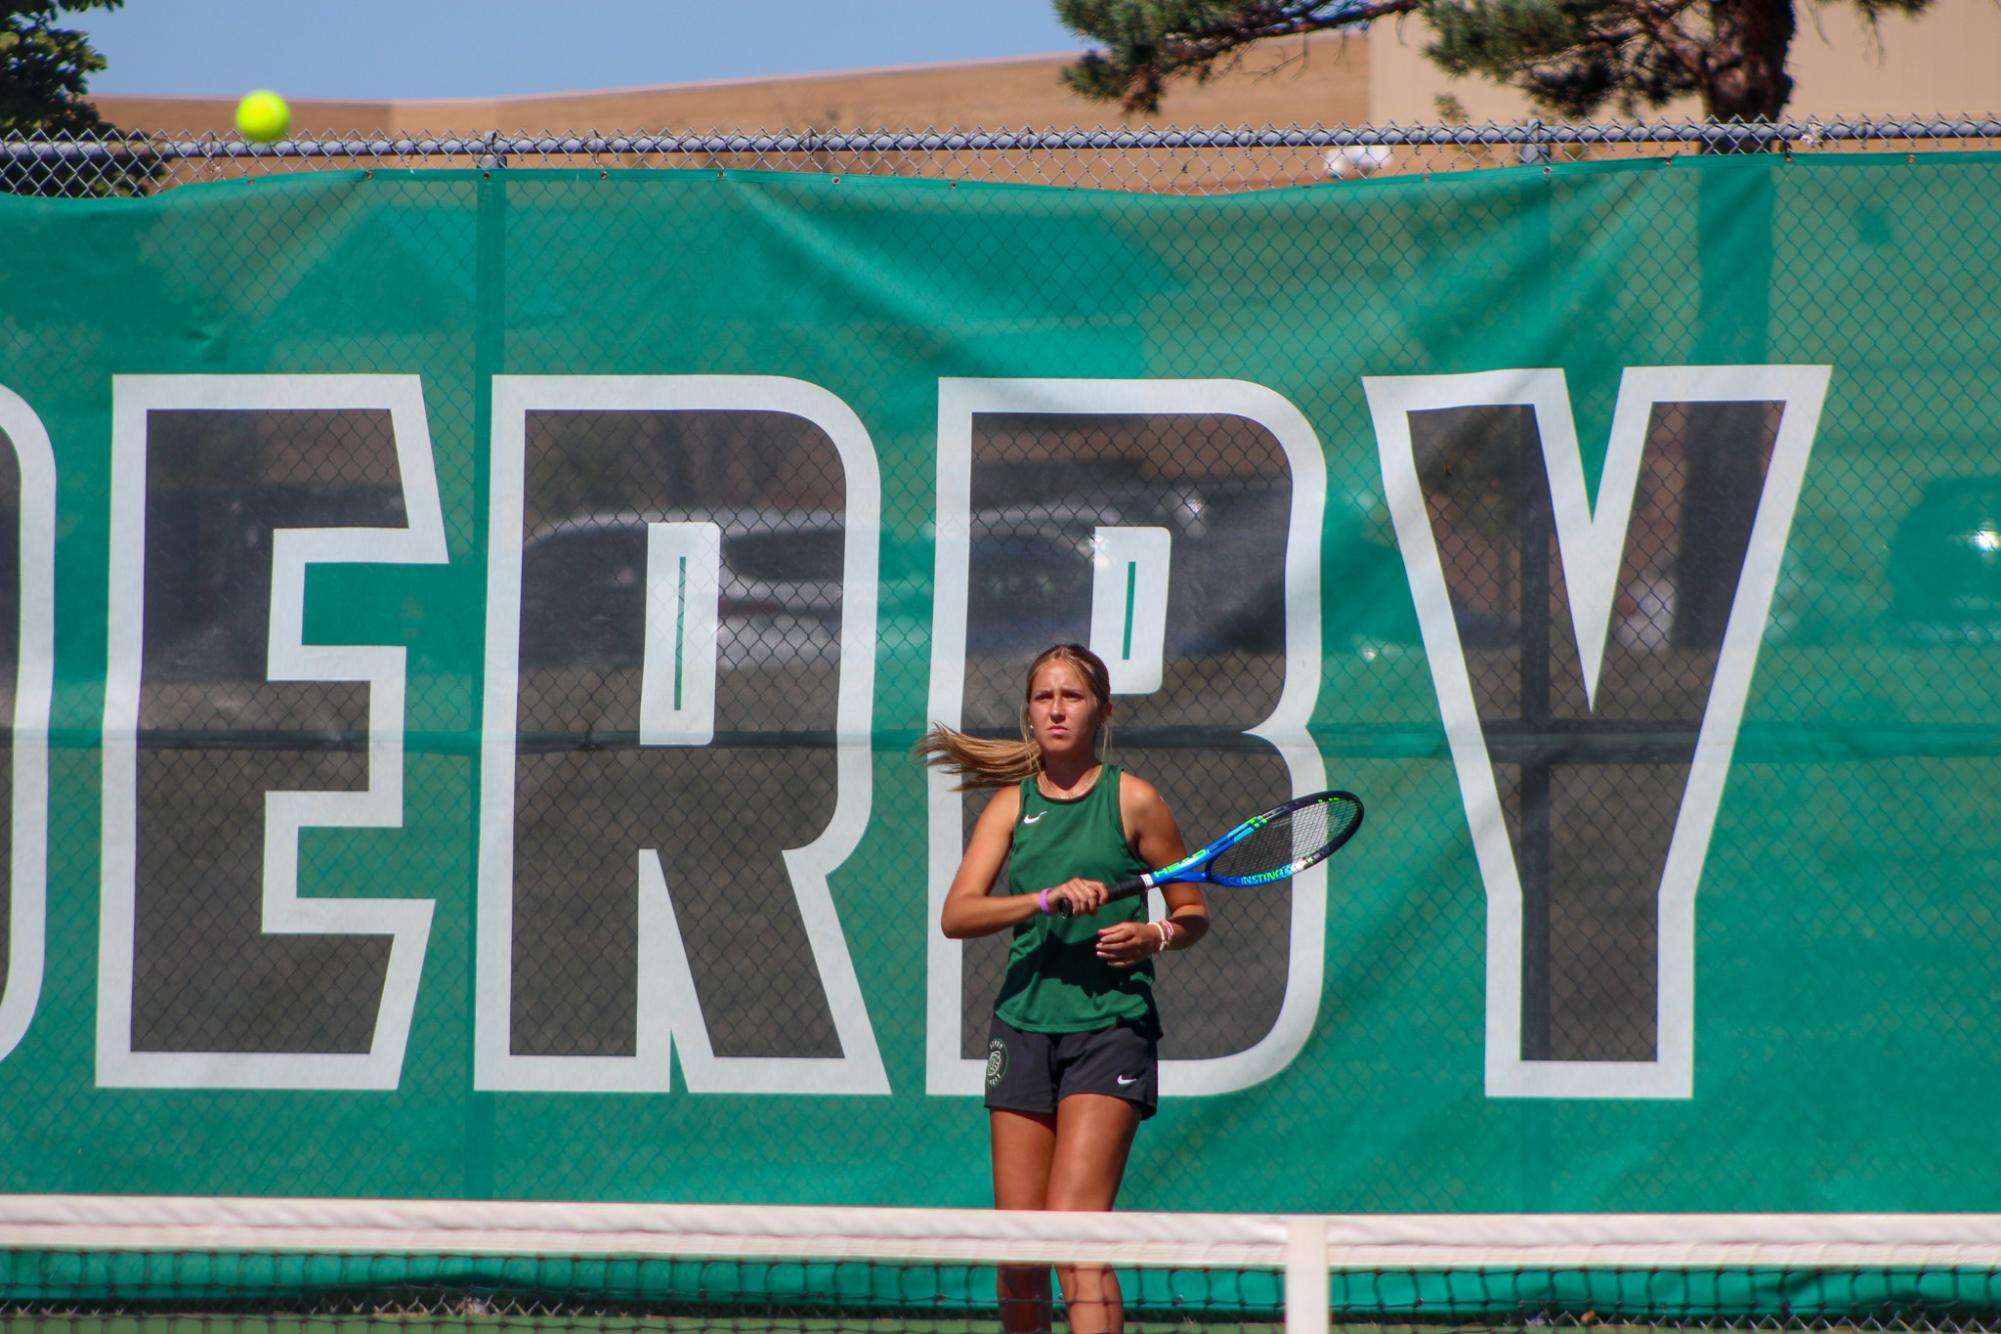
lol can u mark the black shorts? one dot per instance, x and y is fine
(1032, 1072)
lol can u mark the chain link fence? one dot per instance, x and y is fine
(1193, 161)
(1880, 635)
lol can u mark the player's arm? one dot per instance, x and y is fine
(1156, 837)
(971, 906)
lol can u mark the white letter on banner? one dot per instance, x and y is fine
(677, 692)
(668, 1009)
(1129, 605)
(947, 1071)
(34, 672)
(406, 922)
(1589, 544)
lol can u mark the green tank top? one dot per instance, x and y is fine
(1055, 981)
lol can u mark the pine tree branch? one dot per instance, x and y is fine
(1662, 25)
(1150, 42)
(1204, 48)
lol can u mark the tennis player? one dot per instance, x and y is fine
(1072, 1062)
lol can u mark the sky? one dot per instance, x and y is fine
(408, 49)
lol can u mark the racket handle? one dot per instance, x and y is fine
(1124, 889)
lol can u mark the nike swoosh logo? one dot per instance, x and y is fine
(1031, 819)
(1128, 1079)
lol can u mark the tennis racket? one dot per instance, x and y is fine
(1263, 850)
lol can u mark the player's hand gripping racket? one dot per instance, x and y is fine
(1263, 850)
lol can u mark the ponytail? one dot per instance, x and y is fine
(980, 762)
(986, 762)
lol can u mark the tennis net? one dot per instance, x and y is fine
(226, 1265)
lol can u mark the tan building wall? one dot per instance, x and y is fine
(1324, 81)
(1947, 60)
(1944, 62)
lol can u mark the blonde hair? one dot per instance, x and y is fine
(987, 762)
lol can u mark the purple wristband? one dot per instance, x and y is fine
(1043, 900)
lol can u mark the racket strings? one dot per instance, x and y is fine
(1291, 837)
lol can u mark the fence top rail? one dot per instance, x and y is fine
(494, 145)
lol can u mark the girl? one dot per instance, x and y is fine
(1073, 1057)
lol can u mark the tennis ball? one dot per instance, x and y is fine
(262, 116)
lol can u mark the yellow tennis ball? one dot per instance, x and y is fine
(262, 116)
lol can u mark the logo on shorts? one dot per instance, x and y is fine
(1128, 1079)
(996, 1062)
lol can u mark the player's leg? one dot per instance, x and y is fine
(1094, 1137)
(1023, 1144)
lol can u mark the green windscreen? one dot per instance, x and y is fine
(465, 634)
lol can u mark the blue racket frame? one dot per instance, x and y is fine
(1194, 867)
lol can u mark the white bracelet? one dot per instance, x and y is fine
(1166, 930)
